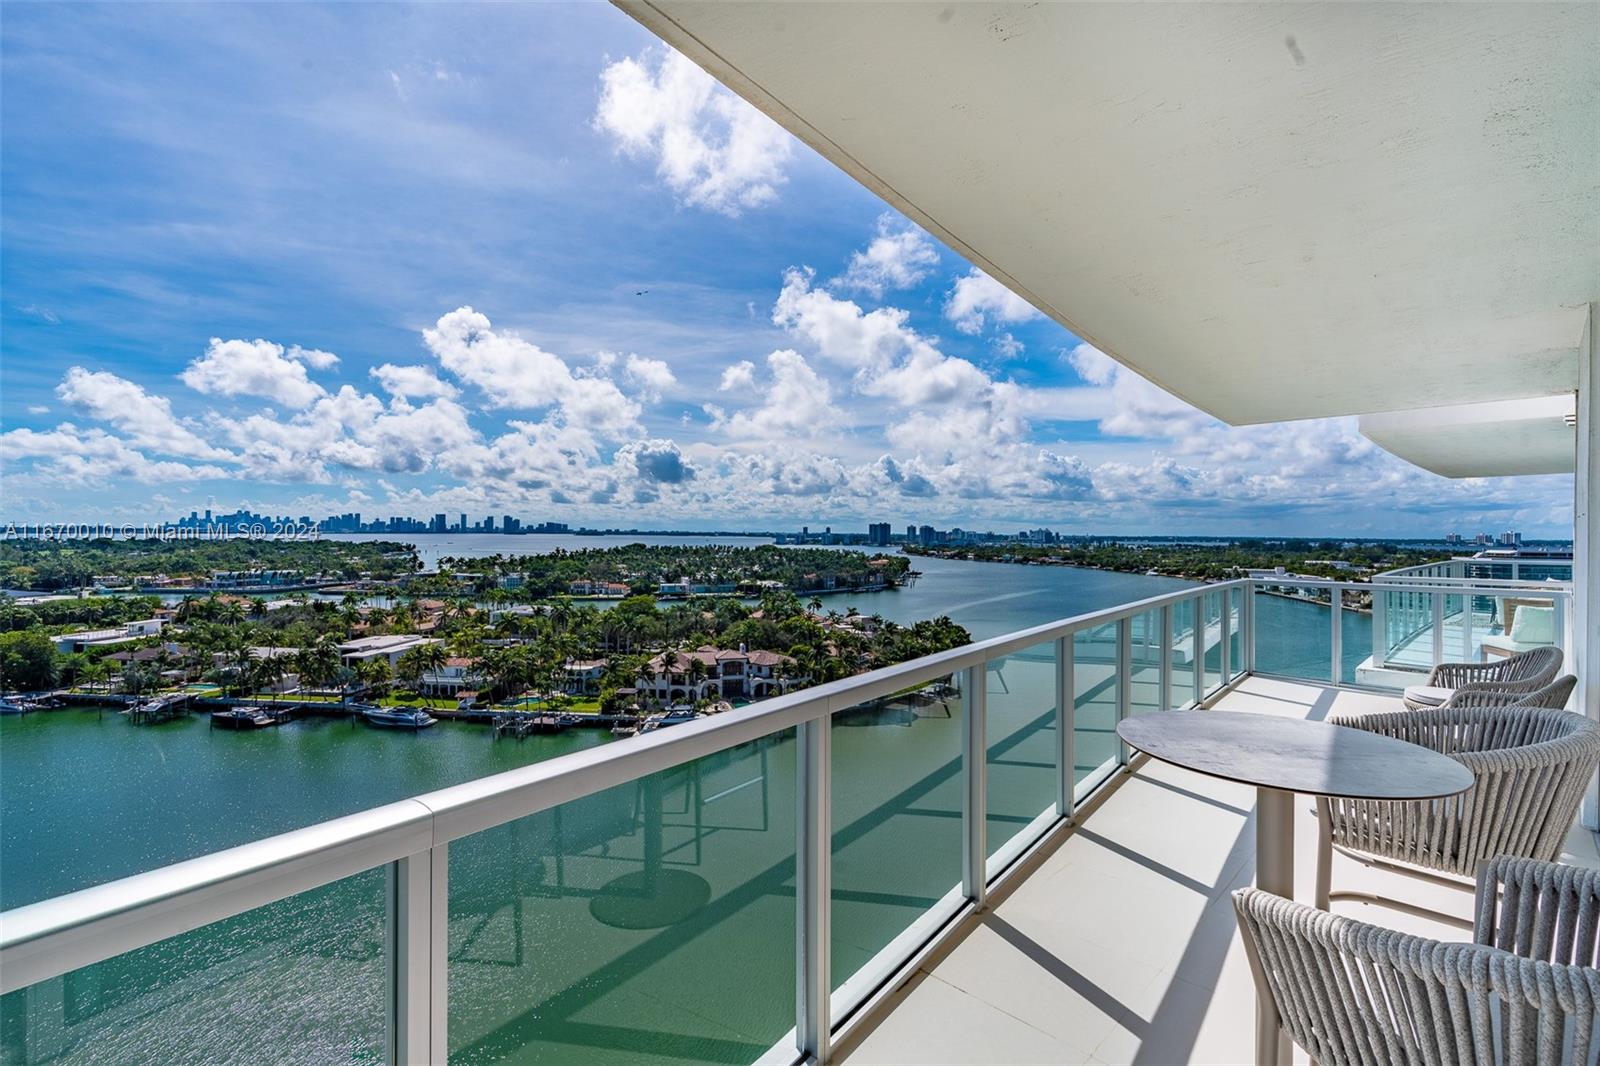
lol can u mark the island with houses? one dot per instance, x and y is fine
(629, 638)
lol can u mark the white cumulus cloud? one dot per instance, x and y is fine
(900, 256)
(650, 378)
(711, 148)
(516, 373)
(257, 368)
(795, 402)
(412, 382)
(977, 300)
(146, 419)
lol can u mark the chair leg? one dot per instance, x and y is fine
(1324, 855)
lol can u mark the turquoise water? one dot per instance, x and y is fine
(549, 961)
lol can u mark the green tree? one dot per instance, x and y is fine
(27, 661)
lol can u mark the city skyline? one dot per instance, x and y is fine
(402, 290)
(213, 522)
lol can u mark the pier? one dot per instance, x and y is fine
(159, 709)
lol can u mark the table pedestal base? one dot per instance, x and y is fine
(1275, 874)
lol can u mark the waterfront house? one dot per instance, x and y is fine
(598, 588)
(387, 646)
(583, 676)
(721, 673)
(101, 638)
(456, 675)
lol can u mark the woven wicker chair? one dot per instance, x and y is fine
(1352, 994)
(1529, 766)
(1527, 672)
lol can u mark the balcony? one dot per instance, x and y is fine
(952, 859)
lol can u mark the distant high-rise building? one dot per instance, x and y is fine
(878, 534)
(508, 524)
(1510, 539)
(440, 523)
(911, 533)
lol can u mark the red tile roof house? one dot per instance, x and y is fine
(728, 673)
(456, 674)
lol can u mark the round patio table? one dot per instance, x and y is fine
(1281, 756)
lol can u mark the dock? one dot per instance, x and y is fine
(159, 709)
(519, 724)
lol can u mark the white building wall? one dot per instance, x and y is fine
(1586, 542)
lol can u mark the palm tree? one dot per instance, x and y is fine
(374, 673)
(95, 671)
(432, 658)
(697, 673)
(409, 669)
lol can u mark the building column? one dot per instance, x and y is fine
(1586, 543)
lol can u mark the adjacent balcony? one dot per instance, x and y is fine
(948, 860)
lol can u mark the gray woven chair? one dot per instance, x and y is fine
(1529, 766)
(1528, 671)
(1353, 994)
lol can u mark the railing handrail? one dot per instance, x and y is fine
(1557, 589)
(50, 937)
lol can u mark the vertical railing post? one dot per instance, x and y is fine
(1124, 679)
(1224, 634)
(418, 918)
(1199, 656)
(1248, 640)
(1164, 700)
(974, 806)
(1336, 642)
(1380, 628)
(1438, 628)
(1066, 729)
(813, 888)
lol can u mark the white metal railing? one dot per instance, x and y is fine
(1207, 633)
(1441, 611)
(1482, 571)
(411, 838)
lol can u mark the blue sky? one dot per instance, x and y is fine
(524, 259)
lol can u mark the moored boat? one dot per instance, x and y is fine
(242, 718)
(398, 717)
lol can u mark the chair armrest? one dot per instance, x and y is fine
(1539, 910)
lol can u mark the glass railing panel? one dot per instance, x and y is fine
(650, 922)
(1212, 677)
(897, 828)
(1235, 632)
(1182, 638)
(1356, 643)
(1144, 662)
(1408, 629)
(1294, 632)
(1020, 718)
(304, 979)
(1095, 697)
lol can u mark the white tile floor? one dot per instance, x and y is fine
(1122, 946)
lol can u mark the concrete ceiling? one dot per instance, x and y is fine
(1274, 211)
(1497, 439)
